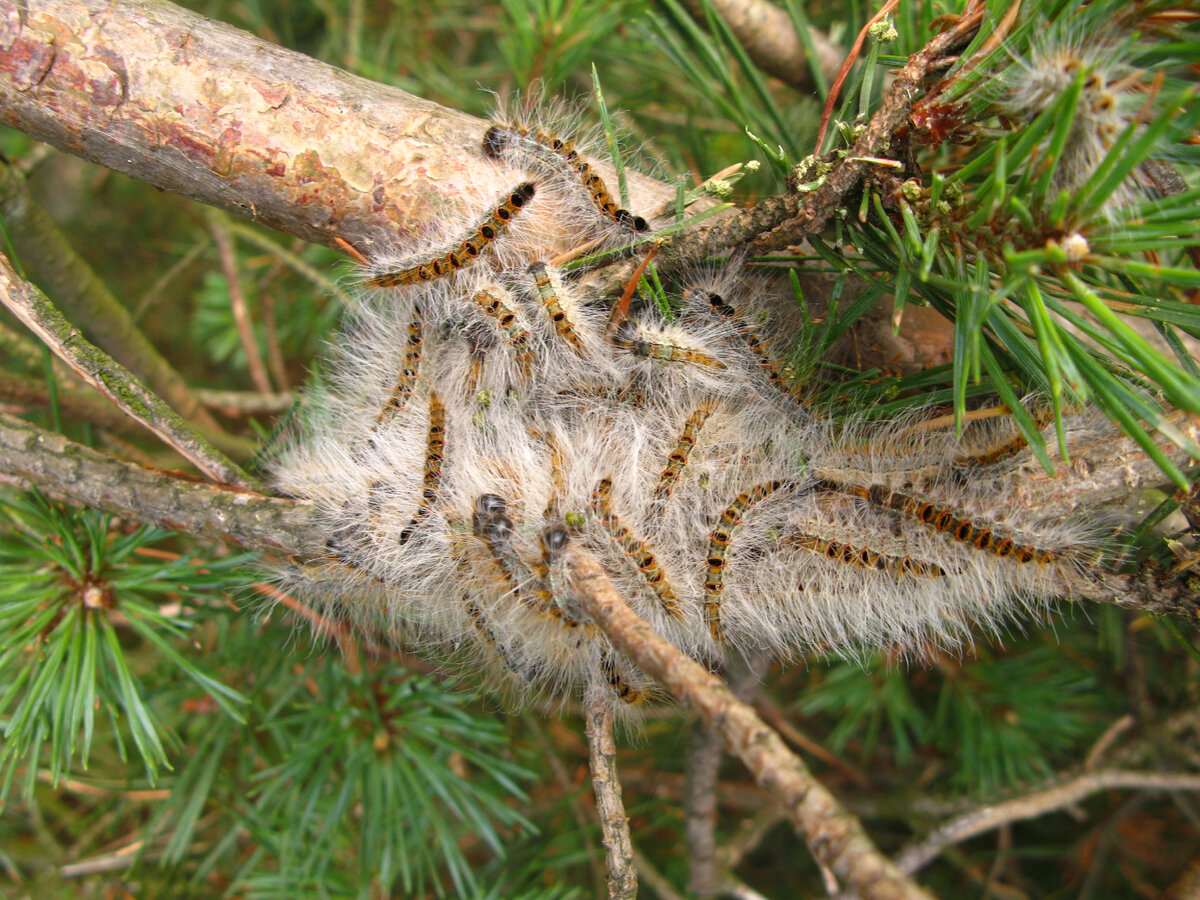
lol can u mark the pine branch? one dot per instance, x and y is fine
(207, 111)
(49, 260)
(33, 457)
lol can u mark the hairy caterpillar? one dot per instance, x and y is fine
(464, 251)
(728, 514)
(550, 156)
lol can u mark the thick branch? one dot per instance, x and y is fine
(836, 837)
(204, 110)
(31, 456)
(770, 38)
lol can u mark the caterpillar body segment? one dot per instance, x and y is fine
(483, 627)
(406, 381)
(499, 308)
(1002, 447)
(656, 344)
(960, 527)
(947, 521)
(464, 251)
(435, 454)
(530, 584)
(678, 457)
(617, 683)
(864, 557)
(748, 333)
(548, 289)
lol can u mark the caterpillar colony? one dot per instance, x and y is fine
(483, 414)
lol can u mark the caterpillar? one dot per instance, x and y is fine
(465, 251)
(718, 546)
(680, 452)
(434, 456)
(551, 156)
(549, 291)
(407, 380)
(634, 550)
(648, 344)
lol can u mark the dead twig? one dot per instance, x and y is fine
(614, 826)
(1035, 804)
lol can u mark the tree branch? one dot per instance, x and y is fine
(1037, 804)
(33, 457)
(614, 826)
(836, 836)
(770, 38)
(112, 379)
(207, 111)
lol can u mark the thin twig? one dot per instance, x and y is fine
(579, 811)
(50, 260)
(654, 879)
(739, 890)
(113, 380)
(84, 404)
(614, 826)
(1036, 804)
(844, 71)
(700, 809)
(245, 403)
(237, 302)
(749, 834)
(775, 716)
(835, 836)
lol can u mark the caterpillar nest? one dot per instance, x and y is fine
(483, 417)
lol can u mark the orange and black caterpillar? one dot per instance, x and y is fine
(946, 521)
(435, 455)
(634, 549)
(864, 557)
(552, 153)
(406, 381)
(718, 546)
(465, 251)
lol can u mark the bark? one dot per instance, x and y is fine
(207, 111)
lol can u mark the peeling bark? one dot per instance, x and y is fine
(212, 113)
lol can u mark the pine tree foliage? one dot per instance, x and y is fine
(153, 712)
